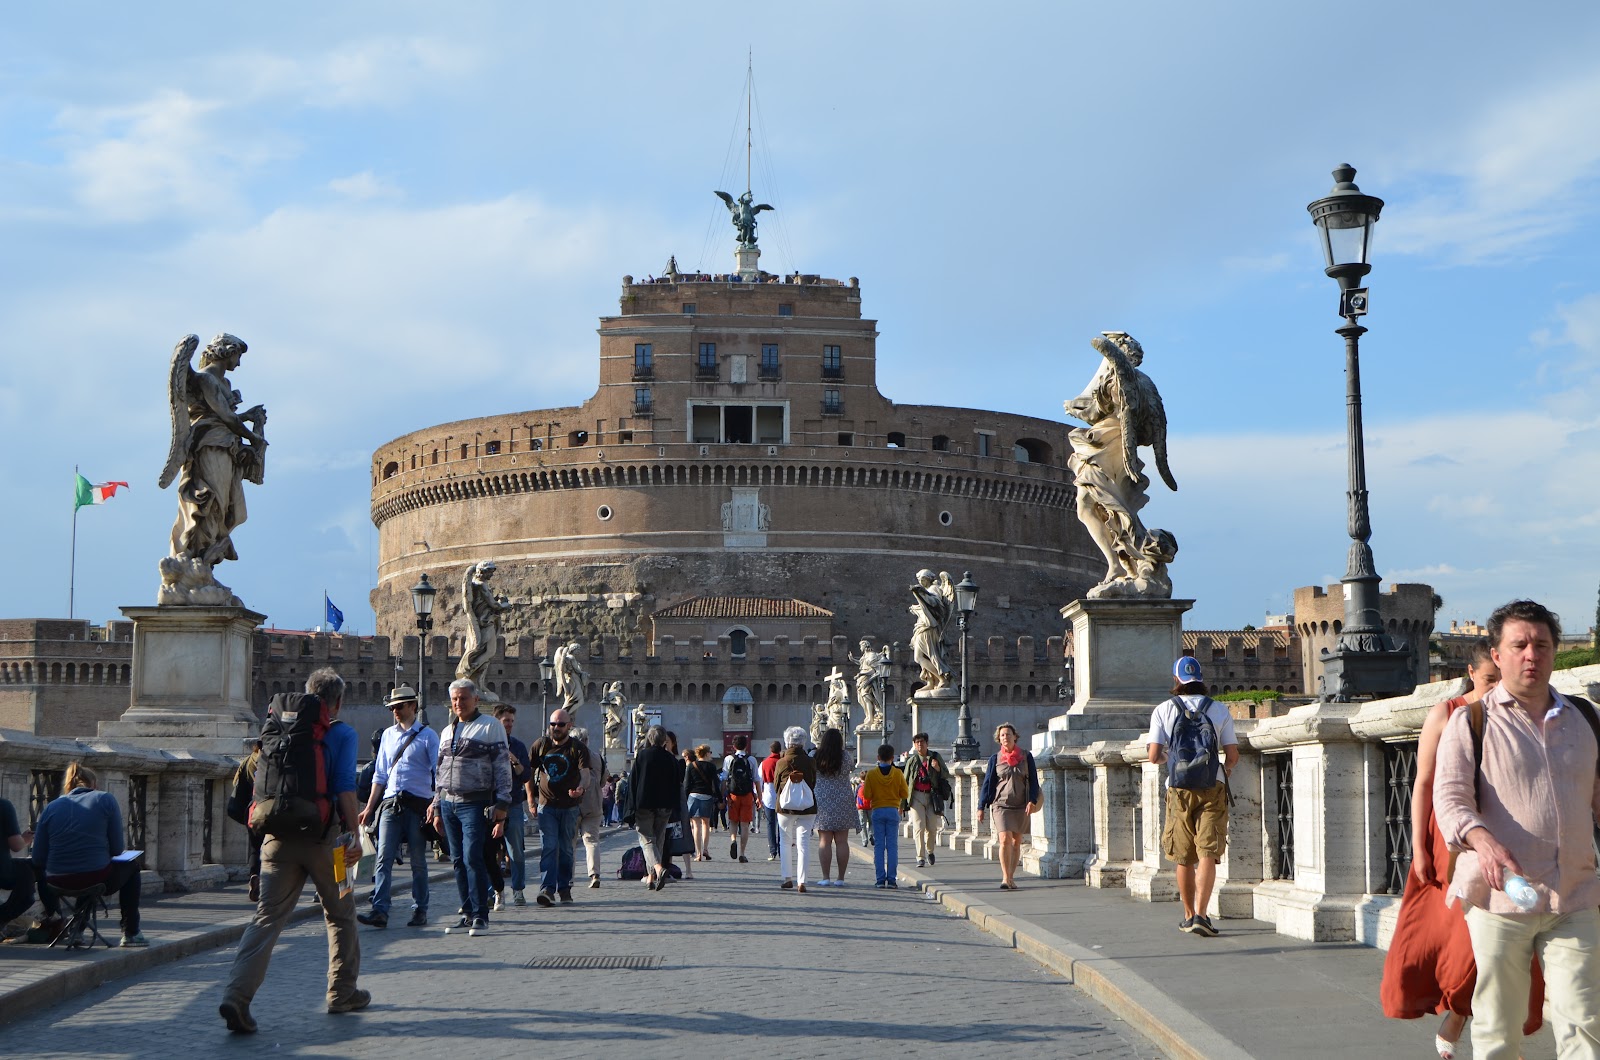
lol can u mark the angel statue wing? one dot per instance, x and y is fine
(757, 209)
(1151, 421)
(178, 402)
(726, 199)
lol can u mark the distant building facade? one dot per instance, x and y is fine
(1407, 610)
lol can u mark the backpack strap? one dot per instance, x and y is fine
(1586, 708)
(1475, 722)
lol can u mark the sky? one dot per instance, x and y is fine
(415, 213)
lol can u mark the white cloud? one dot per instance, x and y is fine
(364, 187)
(1512, 177)
(373, 71)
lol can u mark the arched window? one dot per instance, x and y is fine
(391, 469)
(1032, 451)
(941, 443)
(736, 642)
(896, 440)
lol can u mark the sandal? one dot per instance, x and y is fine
(1446, 1050)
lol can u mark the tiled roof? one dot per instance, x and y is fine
(1249, 638)
(742, 607)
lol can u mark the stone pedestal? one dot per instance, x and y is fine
(1152, 878)
(867, 743)
(747, 259)
(936, 716)
(191, 680)
(1123, 651)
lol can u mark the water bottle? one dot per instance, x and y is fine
(1521, 892)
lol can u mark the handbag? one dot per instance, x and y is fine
(797, 797)
(679, 841)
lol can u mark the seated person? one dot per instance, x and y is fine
(74, 843)
(16, 875)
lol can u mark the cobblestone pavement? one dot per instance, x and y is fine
(745, 969)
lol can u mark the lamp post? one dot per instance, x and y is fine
(966, 747)
(422, 595)
(1366, 662)
(547, 672)
(1066, 684)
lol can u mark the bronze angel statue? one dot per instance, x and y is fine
(1123, 411)
(215, 450)
(744, 216)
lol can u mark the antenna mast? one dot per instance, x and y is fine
(749, 92)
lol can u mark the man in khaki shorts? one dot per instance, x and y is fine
(1193, 736)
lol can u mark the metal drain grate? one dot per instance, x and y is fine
(643, 964)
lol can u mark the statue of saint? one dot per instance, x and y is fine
(570, 676)
(935, 602)
(819, 722)
(744, 216)
(215, 449)
(873, 667)
(482, 608)
(1123, 411)
(838, 705)
(611, 701)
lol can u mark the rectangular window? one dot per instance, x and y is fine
(985, 443)
(785, 309)
(641, 401)
(491, 449)
(463, 452)
(688, 307)
(831, 405)
(736, 424)
(832, 363)
(769, 360)
(644, 361)
(705, 366)
(847, 438)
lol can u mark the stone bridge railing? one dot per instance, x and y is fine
(172, 802)
(1319, 831)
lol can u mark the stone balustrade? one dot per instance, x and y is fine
(1318, 831)
(173, 802)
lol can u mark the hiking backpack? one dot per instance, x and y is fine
(292, 796)
(1192, 759)
(741, 778)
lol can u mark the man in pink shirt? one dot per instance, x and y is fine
(1529, 811)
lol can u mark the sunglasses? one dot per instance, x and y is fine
(559, 724)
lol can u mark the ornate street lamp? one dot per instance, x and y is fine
(422, 595)
(1066, 684)
(1366, 662)
(547, 673)
(966, 746)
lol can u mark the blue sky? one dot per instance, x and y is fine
(415, 215)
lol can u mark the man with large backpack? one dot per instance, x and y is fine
(740, 774)
(929, 783)
(1193, 736)
(305, 791)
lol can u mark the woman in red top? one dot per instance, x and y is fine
(1429, 966)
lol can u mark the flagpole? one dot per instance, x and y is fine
(72, 571)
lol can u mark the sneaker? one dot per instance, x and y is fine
(358, 1000)
(838, 883)
(565, 896)
(545, 898)
(922, 863)
(772, 857)
(931, 857)
(236, 1014)
(893, 885)
(733, 849)
(594, 882)
(499, 902)
(374, 919)
(479, 927)
(419, 918)
(518, 898)
(1186, 924)
(134, 941)
(459, 926)
(743, 860)
(1202, 926)
(255, 888)
(880, 885)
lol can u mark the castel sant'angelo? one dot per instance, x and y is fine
(736, 486)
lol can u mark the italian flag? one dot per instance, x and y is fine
(95, 492)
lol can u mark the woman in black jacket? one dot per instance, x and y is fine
(653, 786)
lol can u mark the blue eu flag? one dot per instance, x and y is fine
(335, 616)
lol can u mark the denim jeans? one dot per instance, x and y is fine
(466, 829)
(886, 843)
(396, 825)
(772, 831)
(557, 828)
(517, 843)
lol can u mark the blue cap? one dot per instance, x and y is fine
(1187, 670)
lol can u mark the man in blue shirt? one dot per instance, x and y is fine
(78, 838)
(522, 793)
(286, 862)
(402, 789)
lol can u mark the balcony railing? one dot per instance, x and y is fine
(770, 373)
(833, 371)
(643, 408)
(833, 408)
(643, 373)
(705, 371)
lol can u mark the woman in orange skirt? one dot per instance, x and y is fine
(1429, 967)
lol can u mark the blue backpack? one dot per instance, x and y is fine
(1192, 759)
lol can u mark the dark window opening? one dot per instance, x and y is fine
(577, 438)
(736, 641)
(391, 469)
(896, 440)
(644, 362)
(705, 366)
(641, 401)
(436, 456)
(831, 404)
(985, 444)
(769, 361)
(847, 438)
(832, 363)
(738, 424)
(1032, 451)
(688, 307)
(624, 437)
(491, 448)
(463, 452)
(785, 309)
(941, 443)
